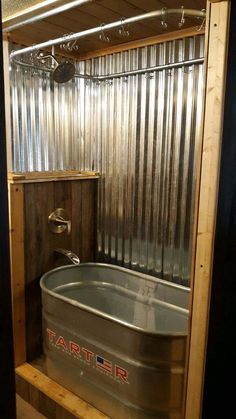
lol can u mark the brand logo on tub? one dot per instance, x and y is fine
(83, 354)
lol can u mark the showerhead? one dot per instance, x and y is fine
(64, 72)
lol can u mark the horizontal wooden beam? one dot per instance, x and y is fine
(68, 401)
(28, 177)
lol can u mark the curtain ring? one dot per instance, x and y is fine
(163, 18)
(203, 24)
(102, 35)
(122, 31)
(182, 21)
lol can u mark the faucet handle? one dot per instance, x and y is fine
(58, 221)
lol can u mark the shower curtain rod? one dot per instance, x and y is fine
(104, 27)
(103, 77)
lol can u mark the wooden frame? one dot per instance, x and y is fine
(218, 33)
(50, 398)
(217, 39)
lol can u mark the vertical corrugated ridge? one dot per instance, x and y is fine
(141, 133)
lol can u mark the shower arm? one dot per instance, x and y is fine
(104, 77)
(201, 14)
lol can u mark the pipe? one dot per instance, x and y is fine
(112, 25)
(43, 15)
(162, 67)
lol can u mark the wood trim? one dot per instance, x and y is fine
(62, 397)
(153, 40)
(16, 217)
(29, 177)
(212, 137)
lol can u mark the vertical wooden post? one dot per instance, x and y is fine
(7, 382)
(212, 136)
(16, 203)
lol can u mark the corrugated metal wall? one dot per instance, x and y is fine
(140, 133)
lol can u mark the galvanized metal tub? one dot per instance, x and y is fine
(117, 338)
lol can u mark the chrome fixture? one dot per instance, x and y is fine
(63, 72)
(69, 254)
(105, 77)
(199, 14)
(58, 221)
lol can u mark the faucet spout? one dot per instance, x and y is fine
(70, 255)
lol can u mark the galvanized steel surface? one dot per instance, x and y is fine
(141, 133)
(106, 360)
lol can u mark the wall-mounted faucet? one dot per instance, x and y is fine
(70, 255)
(59, 222)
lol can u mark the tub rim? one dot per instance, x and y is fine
(107, 316)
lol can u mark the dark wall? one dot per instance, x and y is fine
(7, 384)
(219, 394)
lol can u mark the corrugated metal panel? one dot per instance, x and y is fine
(140, 133)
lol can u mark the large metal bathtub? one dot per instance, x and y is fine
(117, 338)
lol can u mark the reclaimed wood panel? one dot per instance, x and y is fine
(39, 203)
(17, 260)
(78, 198)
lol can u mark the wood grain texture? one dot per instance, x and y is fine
(16, 219)
(104, 11)
(78, 199)
(212, 136)
(53, 401)
(50, 176)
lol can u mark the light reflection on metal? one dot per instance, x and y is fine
(27, 8)
(140, 133)
(198, 14)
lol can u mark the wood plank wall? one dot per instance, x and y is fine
(33, 246)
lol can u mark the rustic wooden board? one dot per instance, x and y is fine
(16, 219)
(78, 198)
(208, 194)
(51, 399)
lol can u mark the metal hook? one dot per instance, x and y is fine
(202, 26)
(182, 21)
(70, 45)
(122, 31)
(163, 18)
(149, 76)
(102, 35)
(187, 70)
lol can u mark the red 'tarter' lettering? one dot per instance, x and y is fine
(61, 342)
(121, 373)
(51, 335)
(74, 348)
(88, 354)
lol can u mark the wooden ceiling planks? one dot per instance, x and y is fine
(104, 11)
